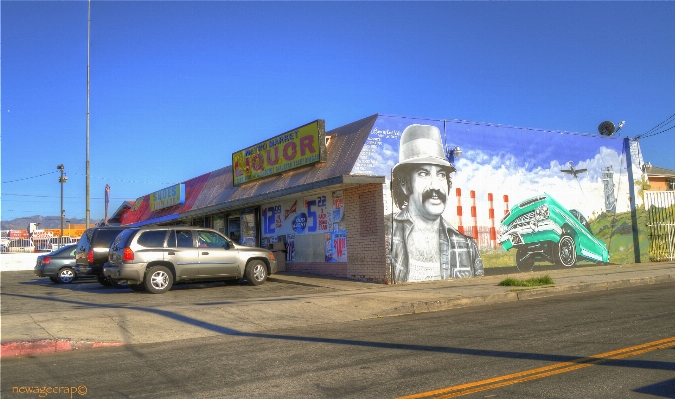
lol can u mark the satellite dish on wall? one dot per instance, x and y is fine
(607, 128)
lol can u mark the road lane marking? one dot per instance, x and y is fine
(541, 372)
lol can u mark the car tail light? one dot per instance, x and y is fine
(128, 254)
(90, 256)
(45, 261)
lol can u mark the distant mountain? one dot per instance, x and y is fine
(46, 222)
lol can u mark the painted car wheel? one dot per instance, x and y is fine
(567, 251)
(66, 275)
(158, 280)
(524, 263)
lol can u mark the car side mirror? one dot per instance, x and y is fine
(226, 245)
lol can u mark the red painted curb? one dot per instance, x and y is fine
(42, 346)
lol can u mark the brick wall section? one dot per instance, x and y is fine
(364, 222)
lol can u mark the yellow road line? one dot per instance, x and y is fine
(541, 372)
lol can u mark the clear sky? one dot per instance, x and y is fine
(176, 87)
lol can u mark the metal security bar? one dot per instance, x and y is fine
(660, 207)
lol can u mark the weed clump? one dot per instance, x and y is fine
(530, 282)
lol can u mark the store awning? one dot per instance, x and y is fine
(160, 219)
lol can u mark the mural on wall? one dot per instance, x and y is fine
(539, 228)
(320, 214)
(520, 196)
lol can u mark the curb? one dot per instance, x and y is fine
(42, 346)
(549, 291)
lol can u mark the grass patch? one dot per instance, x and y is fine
(530, 282)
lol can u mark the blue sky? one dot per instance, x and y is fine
(176, 87)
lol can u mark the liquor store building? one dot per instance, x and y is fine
(349, 202)
(298, 188)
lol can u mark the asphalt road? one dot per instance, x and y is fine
(22, 291)
(394, 356)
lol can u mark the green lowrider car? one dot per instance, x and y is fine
(541, 229)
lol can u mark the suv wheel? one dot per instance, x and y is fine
(256, 272)
(66, 275)
(567, 251)
(103, 280)
(158, 280)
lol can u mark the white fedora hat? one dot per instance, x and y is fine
(421, 144)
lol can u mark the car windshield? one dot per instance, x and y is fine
(64, 250)
(581, 219)
(104, 237)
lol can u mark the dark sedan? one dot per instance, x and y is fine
(58, 265)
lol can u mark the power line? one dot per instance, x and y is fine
(126, 181)
(649, 133)
(654, 134)
(26, 178)
(96, 177)
(53, 196)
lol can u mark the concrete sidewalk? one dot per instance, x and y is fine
(113, 325)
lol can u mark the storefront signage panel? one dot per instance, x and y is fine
(316, 214)
(170, 196)
(294, 149)
(336, 246)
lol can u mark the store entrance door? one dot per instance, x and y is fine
(234, 229)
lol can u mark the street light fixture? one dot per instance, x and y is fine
(452, 152)
(62, 179)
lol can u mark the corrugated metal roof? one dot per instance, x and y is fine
(215, 190)
(193, 188)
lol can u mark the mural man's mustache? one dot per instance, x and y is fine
(428, 194)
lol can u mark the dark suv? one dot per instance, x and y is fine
(92, 251)
(153, 258)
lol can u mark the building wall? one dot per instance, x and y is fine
(659, 183)
(499, 172)
(366, 255)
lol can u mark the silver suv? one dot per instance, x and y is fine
(153, 258)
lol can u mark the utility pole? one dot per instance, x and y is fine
(87, 191)
(62, 179)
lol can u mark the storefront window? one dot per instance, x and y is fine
(234, 229)
(219, 223)
(248, 228)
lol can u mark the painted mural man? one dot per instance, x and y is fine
(424, 245)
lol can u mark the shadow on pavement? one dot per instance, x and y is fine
(642, 364)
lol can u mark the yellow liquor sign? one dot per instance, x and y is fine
(299, 147)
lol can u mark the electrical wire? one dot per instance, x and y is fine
(649, 133)
(96, 177)
(56, 196)
(654, 134)
(126, 181)
(32, 177)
